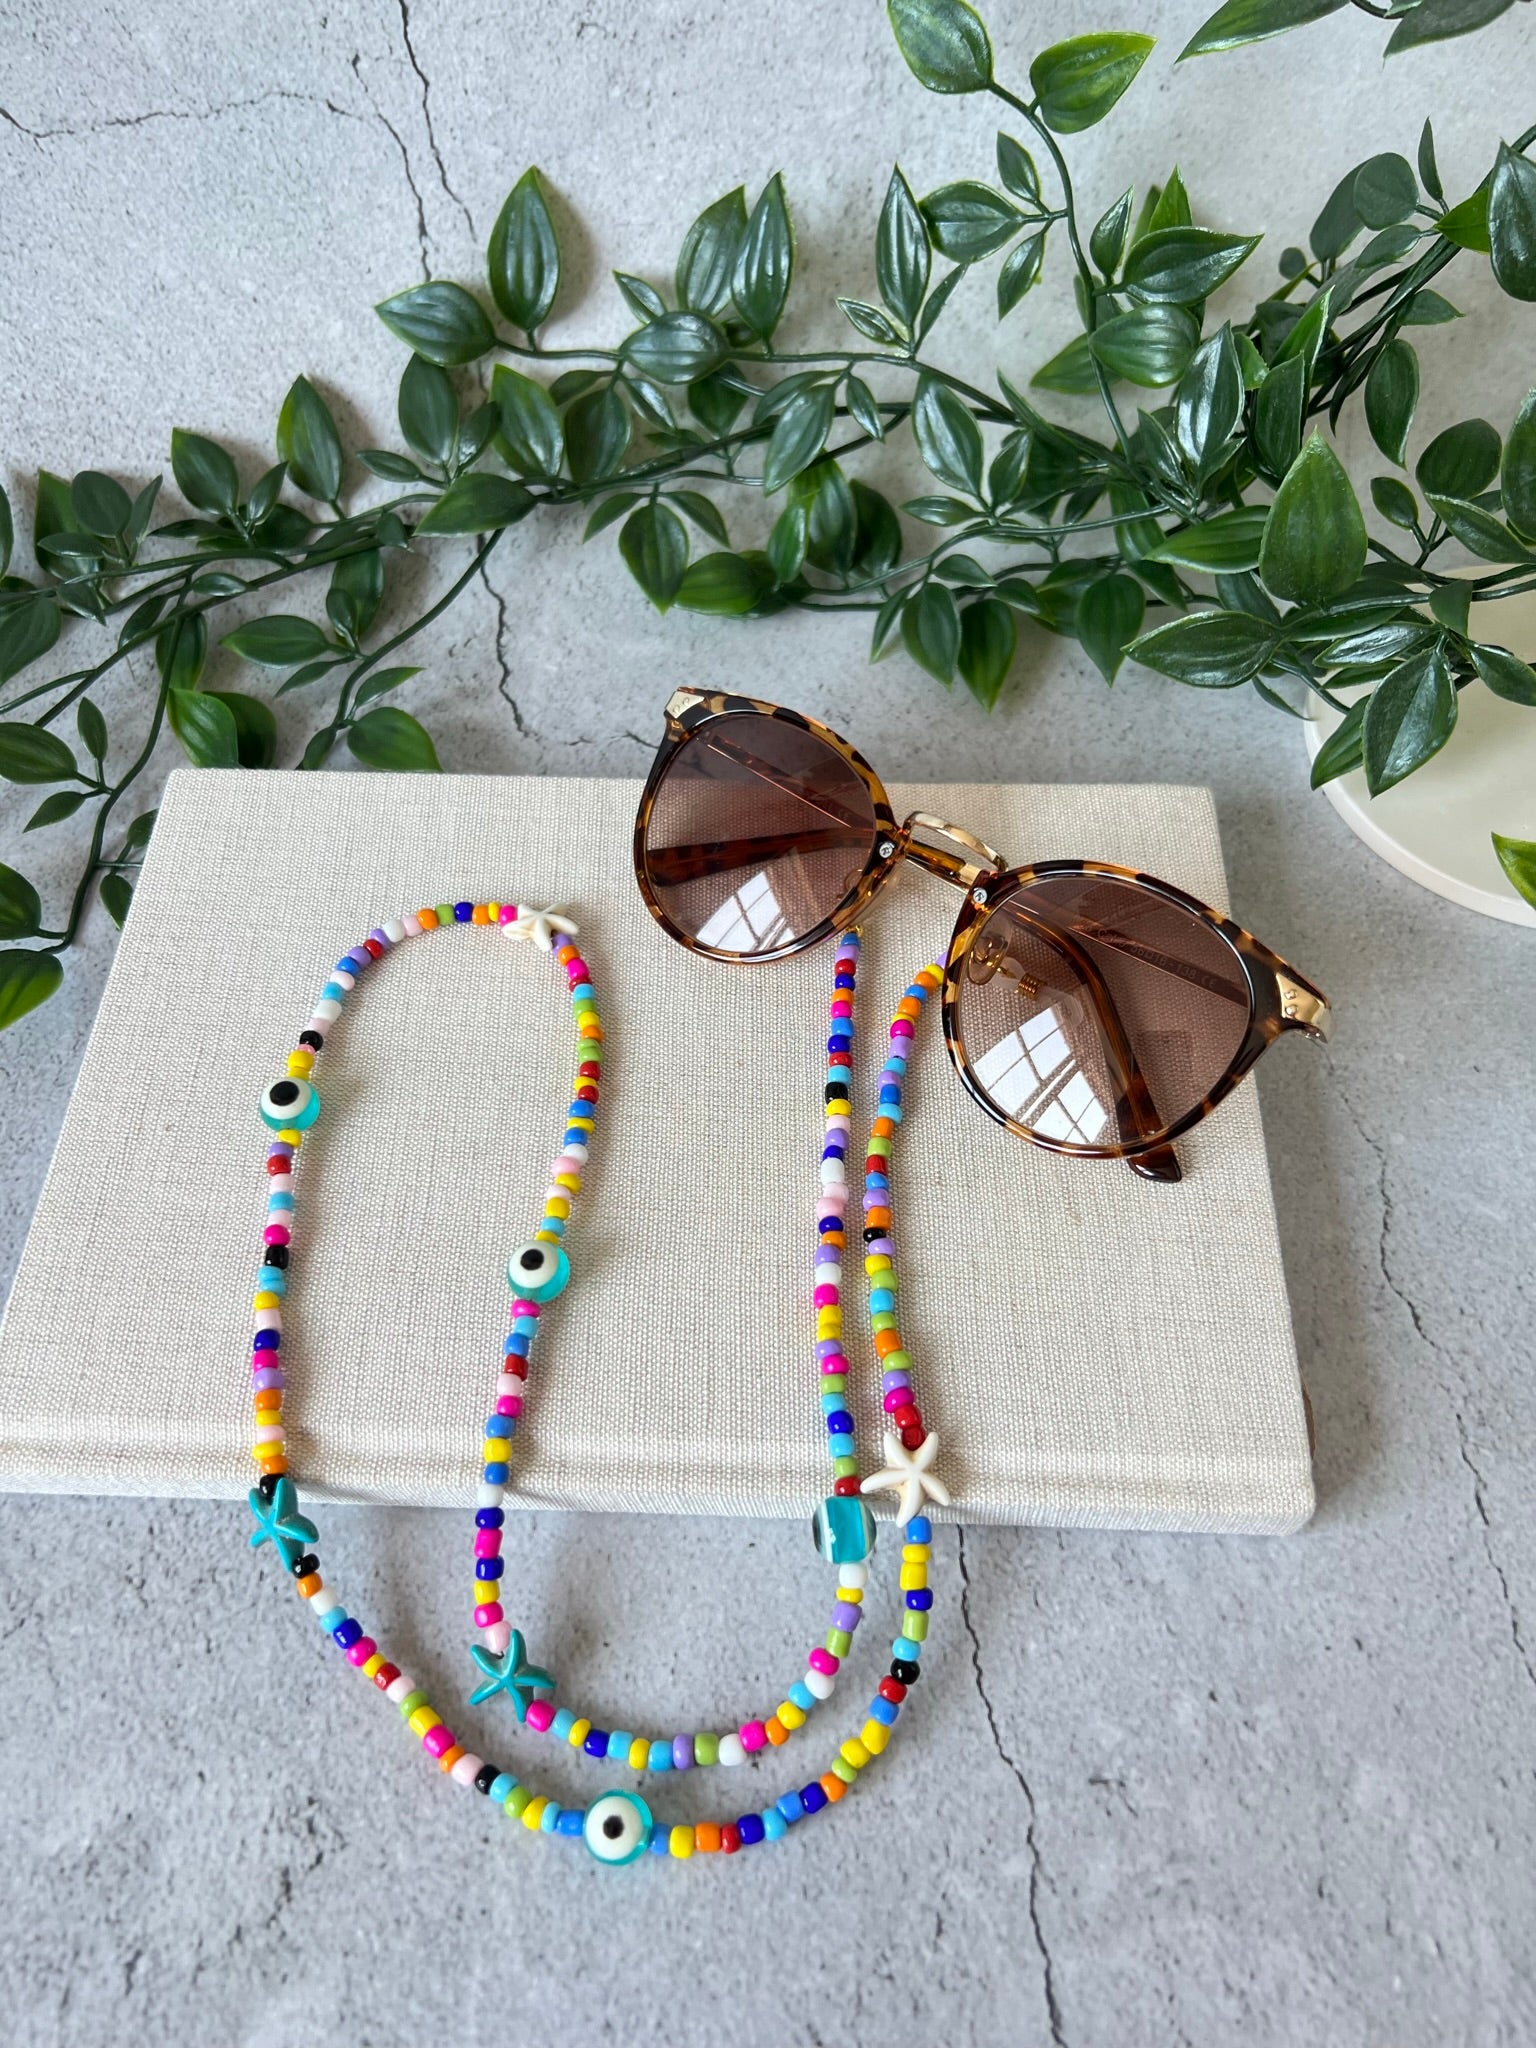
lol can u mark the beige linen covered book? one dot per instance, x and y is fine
(1071, 1324)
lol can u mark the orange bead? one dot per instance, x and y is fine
(310, 1583)
(883, 1127)
(832, 1785)
(776, 1732)
(479, 915)
(706, 1837)
(887, 1341)
(909, 1007)
(874, 1216)
(450, 1756)
(268, 1398)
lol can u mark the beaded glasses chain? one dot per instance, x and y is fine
(618, 1827)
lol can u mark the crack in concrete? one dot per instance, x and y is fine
(261, 99)
(1052, 2006)
(504, 687)
(1444, 1358)
(405, 160)
(426, 113)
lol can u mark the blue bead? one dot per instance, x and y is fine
(503, 1785)
(792, 1806)
(839, 1422)
(496, 1473)
(812, 1798)
(841, 1445)
(549, 1819)
(582, 988)
(489, 1567)
(572, 1821)
(498, 1425)
(620, 1743)
(919, 1529)
(524, 1326)
(562, 1724)
(881, 1709)
(332, 1618)
(775, 1826)
(463, 912)
(828, 1223)
(490, 1518)
(750, 1829)
(800, 1695)
(268, 1340)
(660, 1845)
(517, 1347)
(272, 1280)
(280, 1201)
(920, 1602)
(596, 1743)
(881, 1300)
(660, 1758)
(346, 1634)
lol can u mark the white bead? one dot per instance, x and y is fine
(322, 1599)
(828, 1275)
(343, 977)
(731, 1751)
(327, 1009)
(399, 1688)
(498, 1637)
(394, 931)
(853, 1575)
(832, 1174)
(508, 1383)
(819, 1684)
(468, 1767)
(269, 1319)
(411, 925)
(488, 1495)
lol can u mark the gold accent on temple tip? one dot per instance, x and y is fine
(1304, 1007)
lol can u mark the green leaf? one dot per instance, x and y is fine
(53, 810)
(21, 908)
(388, 738)
(1219, 547)
(530, 425)
(862, 406)
(944, 43)
(902, 254)
(100, 504)
(1019, 273)
(523, 261)
(380, 683)
(1016, 168)
(1386, 190)
(1077, 82)
(92, 728)
(1435, 21)
(477, 502)
(1451, 603)
(824, 491)
(7, 531)
(27, 978)
(608, 511)
(930, 631)
(765, 262)
(1343, 750)
(255, 727)
(871, 322)
(707, 260)
(1304, 342)
(787, 543)
(799, 435)
(1460, 462)
(308, 442)
(1314, 539)
(279, 642)
(1069, 371)
(1429, 309)
(1210, 650)
(181, 649)
(936, 301)
(968, 220)
(724, 585)
(441, 322)
(704, 513)
(206, 727)
(429, 410)
(642, 299)
(1517, 857)
(27, 631)
(53, 511)
(1517, 474)
(948, 438)
(205, 474)
(1512, 223)
(597, 433)
(1278, 411)
(356, 592)
(1391, 394)
(654, 544)
(1394, 501)
(116, 897)
(136, 838)
(1209, 402)
(1181, 266)
(1106, 244)
(1150, 345)
(939, 511)
(1480, 531)
(1505, 674)
(1252, 21)
(1109, 615)
(988, 638)
(676, 348)
(266, 491)
(317, 752)
(30, 753)
(1409, 718)
(965, 571)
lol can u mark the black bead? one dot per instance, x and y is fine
(267, 1484)
(274, 1255)
(835, 1091)
(312, 1039)
(486, 1777)
(905, 1673)
(303, 1566)
(878, 1231)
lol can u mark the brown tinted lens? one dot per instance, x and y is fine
(758, 833)
(1099, 1013)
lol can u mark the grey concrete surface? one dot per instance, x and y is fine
(1183, 1791)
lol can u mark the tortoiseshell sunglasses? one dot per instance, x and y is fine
(1089, 1008)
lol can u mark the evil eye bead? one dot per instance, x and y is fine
(617, 1828)
(289, 1105)
(843, 1529)
(538, 1271)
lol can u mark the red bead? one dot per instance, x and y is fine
(914, 1436)
(590, 1070)
(845, 1486)
(905, 1416)
(730, 1838)
(373, 949)
(587, 1092)
(385, 1676)
(893, 1690)
(279, 1165)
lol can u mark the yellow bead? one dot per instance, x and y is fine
(639, 1754)
(533, 1813)
(293, 1138)
(546, 1237)
(915, 1553)
(374, 1663)
(790, 1714)
(301, 1065)
(569, 1180)
(680, 1843)
(493, 1452)
(913, 1579)
(579, 1123)
(853, 1752)
(877, 1262)
(493, 913)
(852, 1594)
(424, 1720)
(580, 1730)
(265, 1300)
(557, 1205)
(874, 1735)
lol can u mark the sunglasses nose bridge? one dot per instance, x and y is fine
(938, 860)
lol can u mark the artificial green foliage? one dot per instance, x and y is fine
(1203, 527)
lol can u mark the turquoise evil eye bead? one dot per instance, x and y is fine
(538, 1271)
(617, 1828)
(844, 1529)
(289, 1105)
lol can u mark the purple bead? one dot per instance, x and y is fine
(846, 1616)
(268, 1376)
(682, 1752)
(890, 1381)
(380, 937)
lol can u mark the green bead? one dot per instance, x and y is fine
(833, 1382)
(517, 1799)
(445, 913)
(411, 1702)
(840, 1642)
(915, 1628)
(883, 1319)
(845, 1771)
(896, 1361)
(880, 1147)
(706, 1749)
(845, 1468)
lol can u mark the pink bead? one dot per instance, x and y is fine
(507, 914)
(565, 1164)
(491, 1612)
(901, 1028)
(437, 1739)
(275, 1234)
(361, 1650)
(823, 1661)
(540, 1714)
(270, 1433)
(269, 1319)
(509, 1404)
(896, 1398)
(498, 1638)
(754, 1736)
(487, 1543)
(834, 1362)
(412, 925)
(826, 1297)
(525, 1308)
(842, 1009)
(828, 1210)
(279, 1183)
